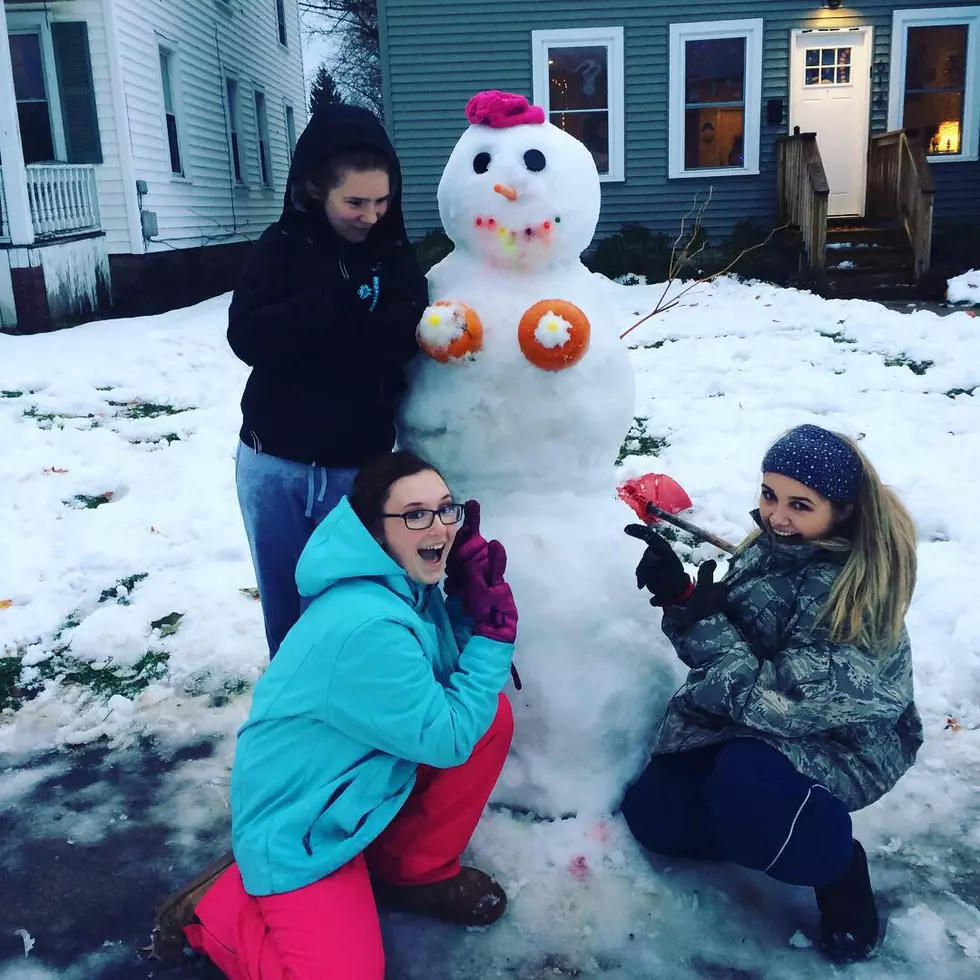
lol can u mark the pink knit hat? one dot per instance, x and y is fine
(500, 110)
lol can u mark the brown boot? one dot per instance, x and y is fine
(470, 898)
(177, 910)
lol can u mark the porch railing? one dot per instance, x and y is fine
(901, 189)
(64, 198)
(803, 194)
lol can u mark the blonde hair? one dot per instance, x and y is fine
(872, 594)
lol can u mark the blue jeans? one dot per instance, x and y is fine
(741, 801)
(282, 502)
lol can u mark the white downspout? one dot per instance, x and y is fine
(123, 136)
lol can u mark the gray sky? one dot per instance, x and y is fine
(316, 47)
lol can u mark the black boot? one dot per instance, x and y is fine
(848, 916)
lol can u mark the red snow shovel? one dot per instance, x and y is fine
(657, 496)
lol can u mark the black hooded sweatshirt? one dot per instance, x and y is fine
(325, 324)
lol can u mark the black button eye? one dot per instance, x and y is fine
(535, 161)
(481, 162)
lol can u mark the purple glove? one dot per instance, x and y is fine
(467, 560)
(490, 603)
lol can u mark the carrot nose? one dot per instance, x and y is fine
(506, 190)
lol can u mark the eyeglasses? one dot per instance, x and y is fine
(423, 518)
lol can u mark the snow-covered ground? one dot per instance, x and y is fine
(965, 288)
(117, 470)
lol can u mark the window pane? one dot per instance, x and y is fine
(25, 53)
(233, 105)
(168, 98)
(590, 128)
(714, 70)
(935, 120)
(935, 75)
(35, 131)
(714, 137)
(236, 157)
(578, 78)
(936, 58)
(290, 130)
(175, 164)
(281, 19)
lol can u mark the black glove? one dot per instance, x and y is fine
(709, 597)
(660, 570)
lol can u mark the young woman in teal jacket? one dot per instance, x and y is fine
(798, 707)
(374, 740)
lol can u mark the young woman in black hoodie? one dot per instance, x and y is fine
(325, 314)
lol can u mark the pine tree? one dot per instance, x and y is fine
(323, 90)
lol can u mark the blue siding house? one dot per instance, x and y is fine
(674, 97)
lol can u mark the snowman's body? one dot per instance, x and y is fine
(537, 449)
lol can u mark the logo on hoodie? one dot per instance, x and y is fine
(373, 291)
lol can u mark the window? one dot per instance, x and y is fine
(578, 80)
(935, 80)
(231, 96)
(33, 110)
(281, 19)
(290, 131)
(715, 101)
(827, 66)
(262, 127)
(170, 110)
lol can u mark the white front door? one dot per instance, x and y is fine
(830, 93)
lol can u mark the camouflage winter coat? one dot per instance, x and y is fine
(766, 668)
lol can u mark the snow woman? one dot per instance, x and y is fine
(373, 742)
(798, 707)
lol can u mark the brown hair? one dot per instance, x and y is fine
(358, 159)
(373, 484)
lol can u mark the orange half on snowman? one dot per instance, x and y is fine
(554, 334)
(449, 330)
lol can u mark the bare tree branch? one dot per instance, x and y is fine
(355, 65)
(677, 263)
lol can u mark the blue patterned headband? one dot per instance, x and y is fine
(818, 459)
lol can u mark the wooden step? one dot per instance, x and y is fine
(860, 235)
(895, 258)
(864, 283)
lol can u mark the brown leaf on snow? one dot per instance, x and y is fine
(6, 603)
(952, 725)
(54, 469)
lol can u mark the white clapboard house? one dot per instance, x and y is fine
(143, 145)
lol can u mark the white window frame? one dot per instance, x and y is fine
(237, 113)
(611, 38)
(269, 180)
(902, 20)
(291, 137)
(680, 34)
(166, 44)
(282, 26)
(40, 24)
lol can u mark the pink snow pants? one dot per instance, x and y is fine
(329, 930)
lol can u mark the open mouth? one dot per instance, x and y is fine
(432, 556)
(783, 535)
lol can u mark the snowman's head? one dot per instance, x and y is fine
(518, 191)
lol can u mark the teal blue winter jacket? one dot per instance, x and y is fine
(374, 679)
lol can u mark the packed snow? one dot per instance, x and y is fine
(532, 428)
(718, 377)
(965, 288)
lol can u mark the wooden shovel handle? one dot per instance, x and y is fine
(691, 528)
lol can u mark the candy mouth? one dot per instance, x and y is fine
(432, 555)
